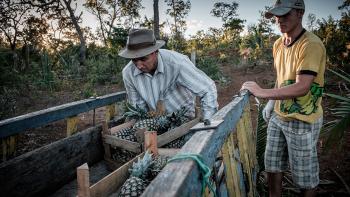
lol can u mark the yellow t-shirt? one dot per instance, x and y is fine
(306, 55)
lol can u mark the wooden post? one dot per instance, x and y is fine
(9, 147)
(110, 112)
(106, 131)
(193, 56)
(83, 179)
(151, 142)
(234, 181)
(72, 125)
(247, 145)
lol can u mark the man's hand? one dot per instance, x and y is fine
(253, 88)
(268, 110)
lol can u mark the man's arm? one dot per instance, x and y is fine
(299, 88)
(201, 85)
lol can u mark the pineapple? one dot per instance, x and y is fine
(122, 155)
(151, 124)
(127, 134)
(137, 182)
(178, 117)
(136, 112)
(158, 165)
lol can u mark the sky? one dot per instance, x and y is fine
(200, 17)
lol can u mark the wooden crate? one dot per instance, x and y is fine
(111, 141)
(111, 183)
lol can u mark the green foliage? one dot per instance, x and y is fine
(334, 131)
(210, 66)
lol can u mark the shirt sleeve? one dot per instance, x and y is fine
(310, 59)
(200, 84)
(134, 97)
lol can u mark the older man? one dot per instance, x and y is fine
(155, 74)
(293, 130)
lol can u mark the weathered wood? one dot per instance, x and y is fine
(176, 132)
(19, 124)
(235, 187)
(112, 182)
(247, 145)
(181, 178)
(151, 142)
(72, 125)
(83, 179)
(110, 112)
(46, 169)
(116, 129)
(8, 146)
(121, 143)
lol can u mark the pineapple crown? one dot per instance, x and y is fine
(135, 112)
(177, 118)
(142, 166)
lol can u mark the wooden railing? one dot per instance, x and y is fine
(233, 140)
(9, 128)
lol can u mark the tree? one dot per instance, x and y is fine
(311, 22)
(64, 12)
(156, 19)
(178, 10)
(228, 13)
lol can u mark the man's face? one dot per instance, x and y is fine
(288, 22)
(147, 64)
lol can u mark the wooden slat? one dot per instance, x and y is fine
(125, 144)
(72, 125)
(112, 182)
(110, 112)
(122, 126)
(83, 179)
(247, 146)
(8, 146)
(19, 124)
(46, 169)
(176, 132)
(151, 142)
(181, 178)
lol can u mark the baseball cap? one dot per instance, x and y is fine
(282, 7)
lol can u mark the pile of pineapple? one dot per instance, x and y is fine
(142, 173)
(152, 121)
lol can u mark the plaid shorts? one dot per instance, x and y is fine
(294, 141)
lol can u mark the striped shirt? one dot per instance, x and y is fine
(175, 81)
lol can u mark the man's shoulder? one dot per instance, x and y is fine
(128, 68)
(169, 55)
(312, 38)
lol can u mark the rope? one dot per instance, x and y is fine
(203, 169)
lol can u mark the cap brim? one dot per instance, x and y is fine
(277, 11)
(130, 54)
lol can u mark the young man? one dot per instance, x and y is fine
(155, 74)
(299, 60)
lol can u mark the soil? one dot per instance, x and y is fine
(334, 164)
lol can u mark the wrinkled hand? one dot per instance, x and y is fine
(267, 111)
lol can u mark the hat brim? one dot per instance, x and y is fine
(127, 53)
(277, 11)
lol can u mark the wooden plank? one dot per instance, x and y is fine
(121, 143)
(19, 124)
(46, 169)
(112, 182)
(128, 124)
(151, 142)
(8, 145)
(72, 125)
(247, 146)
(83, 179)
(181, 178)
(176, 132)
(110, 112)
(106, 147)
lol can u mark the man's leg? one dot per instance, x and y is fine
(275, 183)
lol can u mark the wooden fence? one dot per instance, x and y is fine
(10, 128)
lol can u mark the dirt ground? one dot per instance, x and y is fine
(334, 165)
